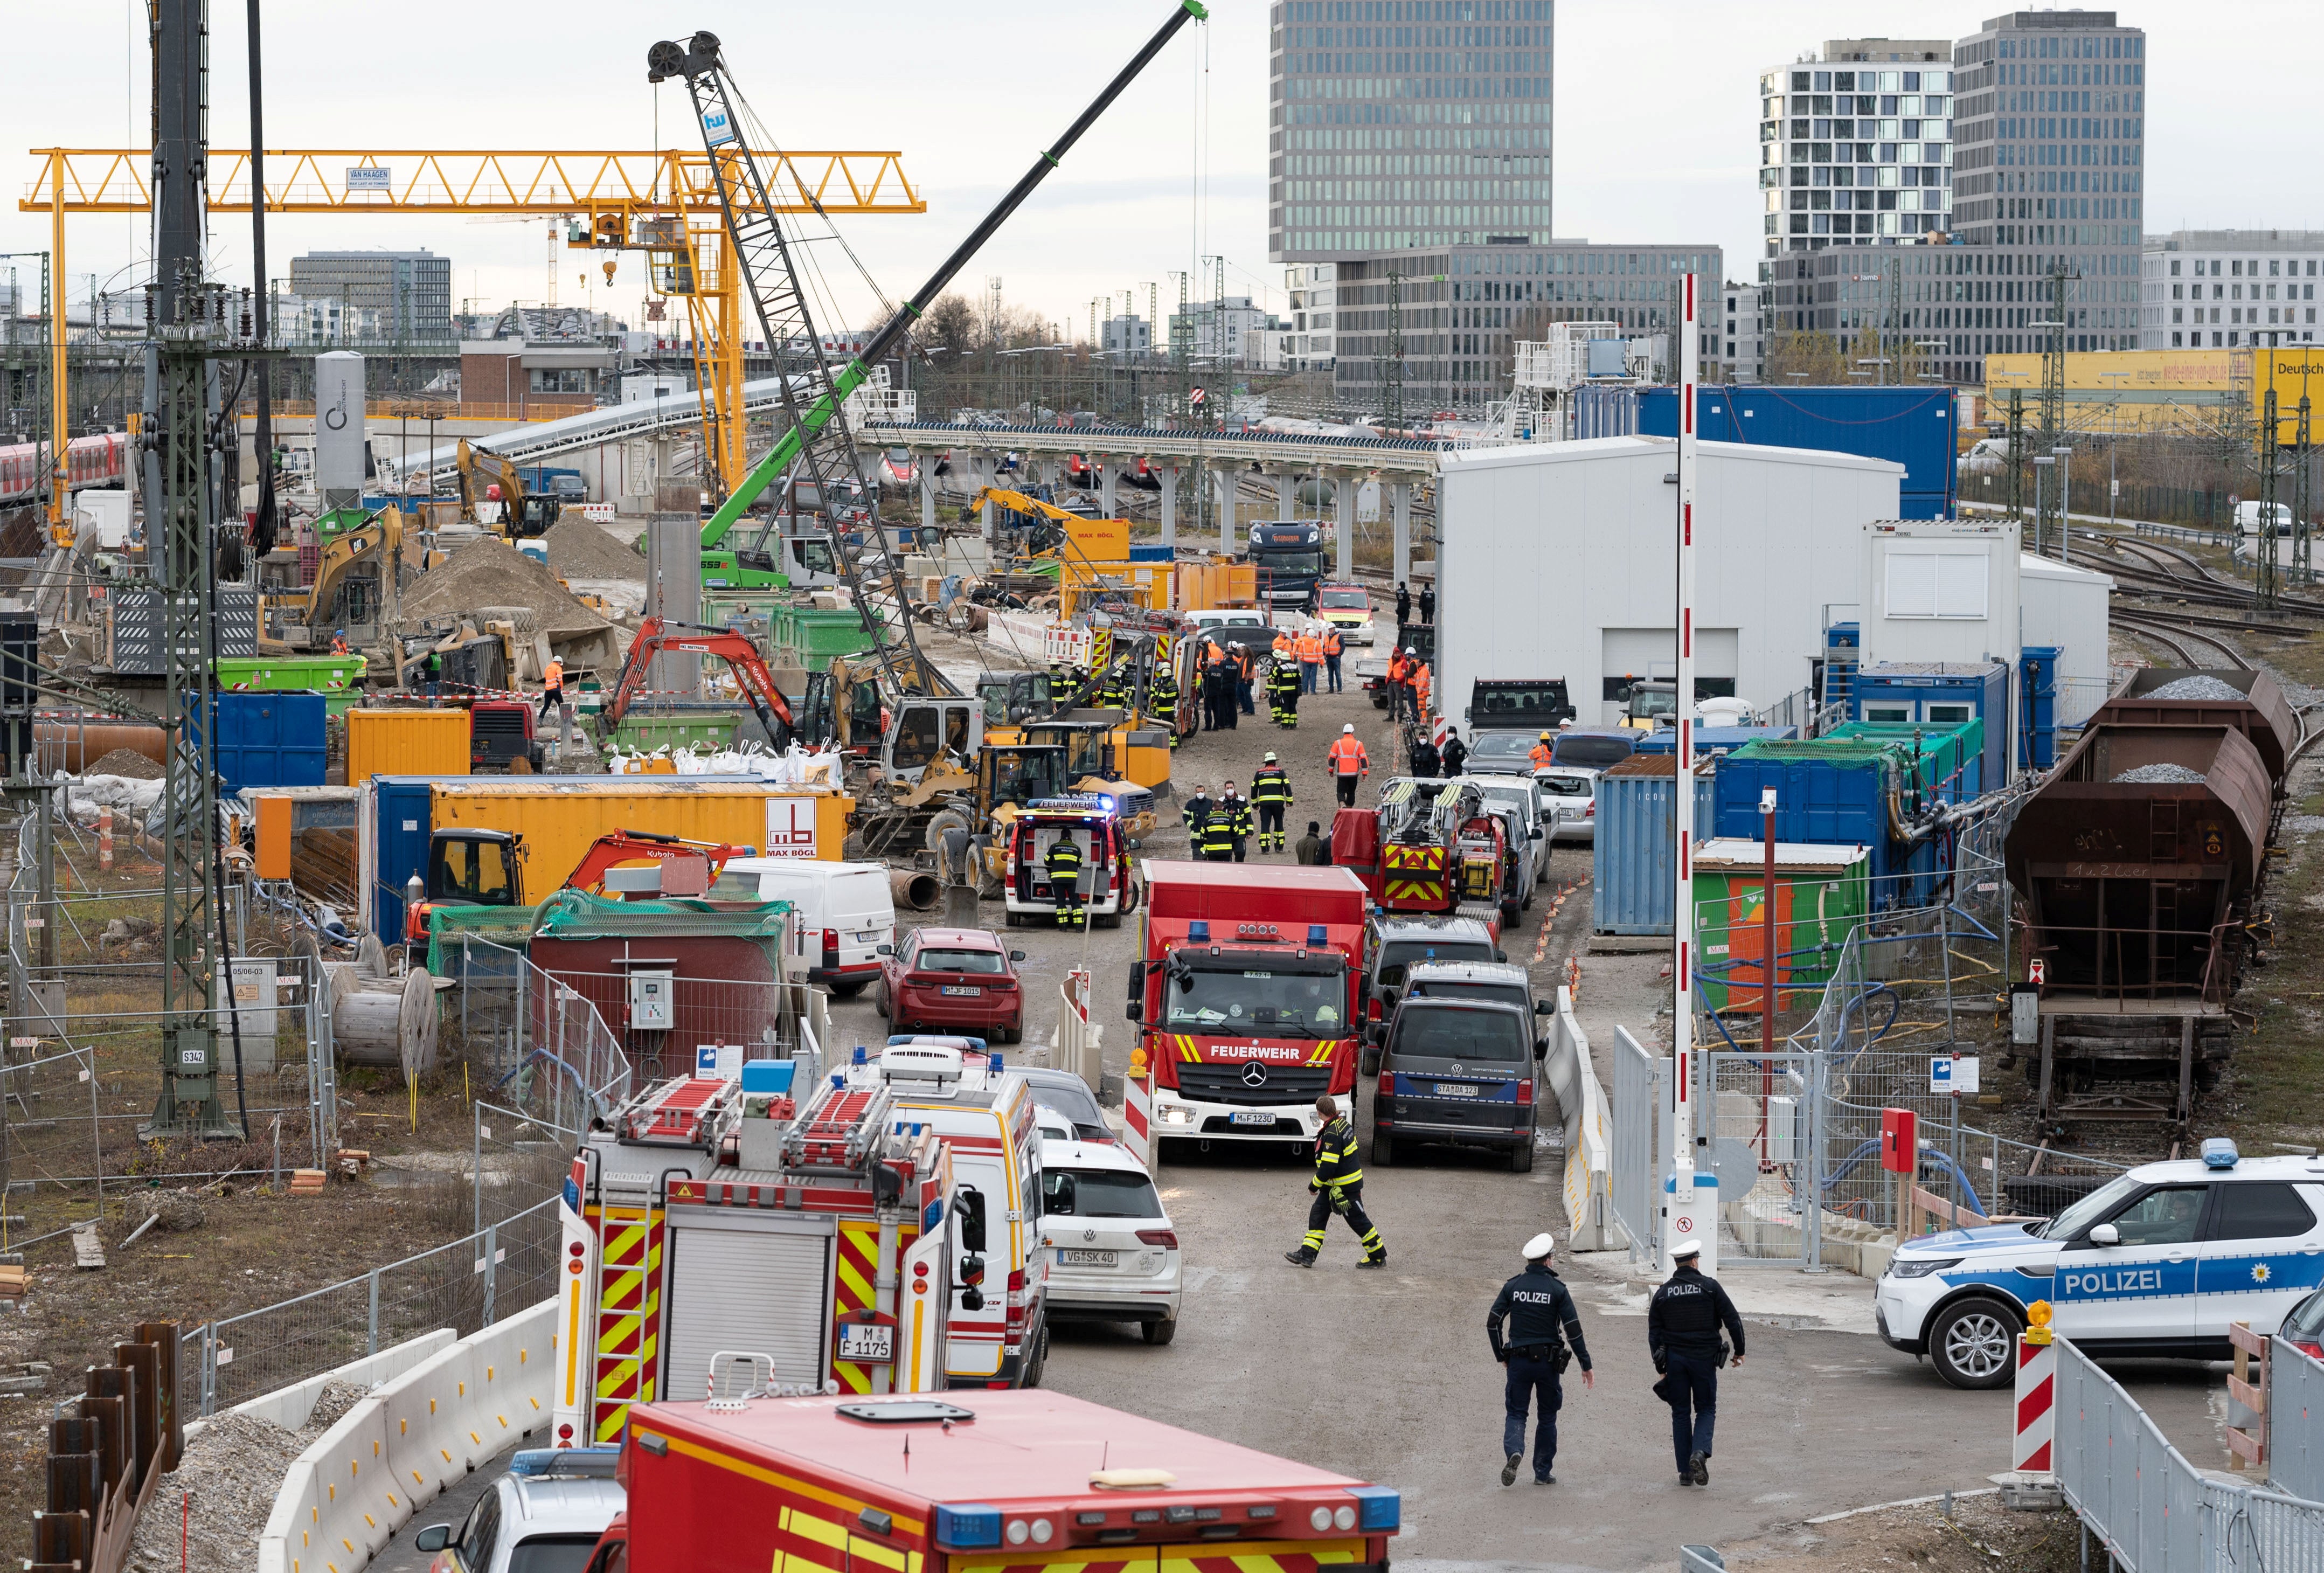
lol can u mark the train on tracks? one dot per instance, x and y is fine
(2142, 865)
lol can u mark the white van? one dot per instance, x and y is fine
(997, 1336)
(844, 913)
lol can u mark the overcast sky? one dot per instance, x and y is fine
(1656, 121)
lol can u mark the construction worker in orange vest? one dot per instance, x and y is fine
(1349, 763)
(1400, 668)
(1544, 753)
(1420, 686)
(1332, 653)
(1309, 646)
(1246, 669)
(1283, 645)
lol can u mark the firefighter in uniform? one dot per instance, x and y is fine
(1283, 692)
(1218, 842)
(1683, 1324)
(1115, 696)
(1545, 1333)
(1270, 794)
(1162, 694)
(1338, 1187)
(1063, 865)
(1235, 809)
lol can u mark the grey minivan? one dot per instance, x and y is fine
(1395, 941)
(1458, 1072)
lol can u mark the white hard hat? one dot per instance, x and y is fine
(1539, 1247)
(1349, 728)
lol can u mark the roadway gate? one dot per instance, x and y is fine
(1641, 1143)
(1763, 1111)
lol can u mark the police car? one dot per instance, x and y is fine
(2156, 1261)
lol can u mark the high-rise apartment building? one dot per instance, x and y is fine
(2228, 289)
(1856, 148)
(2049, 137)
(1395, 126)
(408, 294)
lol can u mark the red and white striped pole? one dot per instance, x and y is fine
(2036, 1426)
(105, 839)
(1138, 1111)
(1691, 1199)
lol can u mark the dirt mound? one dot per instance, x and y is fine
(125, 762)
(490, 572)
(579, 550)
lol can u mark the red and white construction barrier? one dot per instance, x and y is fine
(1138, 1111)
(2037, 1392)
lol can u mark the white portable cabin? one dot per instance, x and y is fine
(2065, 608)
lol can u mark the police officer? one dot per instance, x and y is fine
(1063, 865)
(1403, 603)
(1428, 603)
(1454, 753)
(1424, 755)
(1545, 1333)
(1235, 809)
(1338, 1187)
(1197, 812)
(1218, 842)
(1683, 1324)
(1270, 794)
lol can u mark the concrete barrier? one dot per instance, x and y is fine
(424, 1428)
(290, 1407)
(1589, 1140)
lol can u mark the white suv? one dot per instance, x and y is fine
(545, 1515)
(1113, 1252)
(2156, 1261)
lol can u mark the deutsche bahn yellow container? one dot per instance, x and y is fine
(561, 817)
(406, 741)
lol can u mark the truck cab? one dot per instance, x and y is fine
(468, 868)
(1527, 705)
(1247, 996)
(1288, 554)
(1653, 703)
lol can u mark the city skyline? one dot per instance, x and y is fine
(1665, 155)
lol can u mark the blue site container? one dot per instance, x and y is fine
(1841, 641)
(1633, 851)
(2037, 706)
(1708, 739)
(1918, 428)
(1942, 694)
(403, 815)
(270, 738)
(1835, 794)
(1152, 553)
(1604, 411)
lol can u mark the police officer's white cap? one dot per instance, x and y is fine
(1686, 1251)
(1539, 1247)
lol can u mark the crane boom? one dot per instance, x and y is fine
(813, 416)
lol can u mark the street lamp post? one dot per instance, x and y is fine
(2042, 464)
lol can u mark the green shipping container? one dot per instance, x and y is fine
(1821, 892)
(338, 678)
(647, 730)
(805, 636)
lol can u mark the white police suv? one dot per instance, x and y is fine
(2156, 1261)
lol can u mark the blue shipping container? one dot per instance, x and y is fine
(2037, 706)
(403, 815)
(1918, 428)
(1935, 694)
(1633, 854)
(272, 738)
(1836, 801)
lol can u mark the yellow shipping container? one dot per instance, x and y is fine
(1097, 540)
(1203, 586)
(2296, 372)
(403, 742)
(559, 818)
(1148, 582)
(2122, 392)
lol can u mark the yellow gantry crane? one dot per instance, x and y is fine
(664, 203)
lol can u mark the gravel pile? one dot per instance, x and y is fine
(125, 762)
(490, 572)
(2209, 689)
(2161, 774)
(579, 550)
(233, 1471)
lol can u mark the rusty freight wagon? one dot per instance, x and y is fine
(2249, 700)
(2138, 861)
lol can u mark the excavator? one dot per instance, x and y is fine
(367, 550)
(680, 867)
(524, 512)
(486, 868)
(659, 635)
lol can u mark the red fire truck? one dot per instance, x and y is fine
(999, 1483)
(1247, 996)
(1434, 848)
(703, 1216)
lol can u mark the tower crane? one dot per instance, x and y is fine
(817, 440)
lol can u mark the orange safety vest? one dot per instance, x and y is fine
(1420, 688)
(554, 677)
(1282, 645)
(1542, 755)
(1347, 756)
(1397, 671)
(1310, 648)
(1332, 642)
(1250, 663)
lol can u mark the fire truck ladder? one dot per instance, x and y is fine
(840, 1131)
(817, 439)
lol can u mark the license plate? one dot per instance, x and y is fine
(1086, 1258)
(1455, 1089)
(866, 1341)
(962, 990)
(1251, 1119)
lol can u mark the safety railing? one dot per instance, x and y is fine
(2153, 1510)
(2295, 1414)
(541, 1044)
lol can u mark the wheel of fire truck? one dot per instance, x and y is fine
(1158, 1332)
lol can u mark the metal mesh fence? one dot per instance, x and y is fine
(2295, 1403)
(541, 1044)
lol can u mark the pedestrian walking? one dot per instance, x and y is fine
(1403, 605)
(1338, 1187)
(1332, 648)
(1349, 763)
(1428, 603)
(1545, 1337)
(1270, 794)
(552, 687)
(1454, 753)
(1064, 865)
(1313, 850)
(1219, 843)
(1684, 1321)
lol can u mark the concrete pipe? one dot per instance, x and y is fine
(913, 889)
(70, 746)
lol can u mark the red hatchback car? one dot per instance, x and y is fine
(960, 978)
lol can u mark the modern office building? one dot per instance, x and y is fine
(1126, 336)
(1306, 339)
(407, 294)
(1743, 357)
(1459, 310)
(2048, 176)
(1214, 328)
(2219, 289)
(1403, 125)
(1856, 147)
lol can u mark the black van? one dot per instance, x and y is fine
(1460, 1071)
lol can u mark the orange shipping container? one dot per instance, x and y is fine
(1203, 586)
(406, 741)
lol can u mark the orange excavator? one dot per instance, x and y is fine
(686, 868)
(659, 636)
